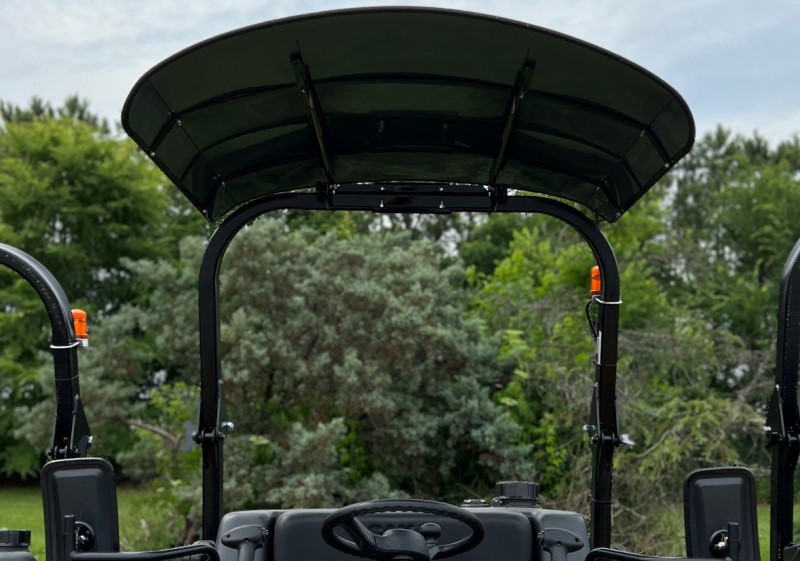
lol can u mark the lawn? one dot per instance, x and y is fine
(21, 509)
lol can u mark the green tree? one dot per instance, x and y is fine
(73, 108)
(488, 242)
(733, 222)
(735, 217)
(339, 354)
(667, 400)
(78, 200)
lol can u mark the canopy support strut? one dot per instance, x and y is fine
(301, 75)
(524, 77)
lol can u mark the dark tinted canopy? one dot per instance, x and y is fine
(406, 94)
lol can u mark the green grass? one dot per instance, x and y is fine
(21, 509)
(763, 530)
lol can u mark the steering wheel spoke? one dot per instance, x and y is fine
(363, 538)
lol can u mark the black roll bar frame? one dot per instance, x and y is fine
(783, 417)
(71, 435)
(413, 198)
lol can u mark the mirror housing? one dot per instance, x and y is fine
(80, 500)
(720, 503)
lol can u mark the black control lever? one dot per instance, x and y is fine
(559, 542)
(431, 532)
(726, 544)
(734, 541)
(246, 539)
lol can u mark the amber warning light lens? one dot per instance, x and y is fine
(597, 283)
(81, 327)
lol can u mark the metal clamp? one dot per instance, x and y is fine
(599, 501)
(498, 194)
(64, 347)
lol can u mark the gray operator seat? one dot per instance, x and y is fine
(511, 534)
(295, 535)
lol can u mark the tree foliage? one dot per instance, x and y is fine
(700, 263)
(375, 355)
(337, 353)
(79, 201)
(74, 108)
(369, 331)
(734, 218)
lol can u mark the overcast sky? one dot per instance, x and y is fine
(735, 62)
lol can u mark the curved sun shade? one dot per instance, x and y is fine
(407, 95)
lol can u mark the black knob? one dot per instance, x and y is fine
(84, 536)
(431, 532)
(15, 538)
(516, 493)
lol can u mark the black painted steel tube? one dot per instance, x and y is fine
(209, 342)
(64, 344)
(784, 414)
(158, 555)
(619, 555)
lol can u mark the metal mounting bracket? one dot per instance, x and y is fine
(315, 114)
(523, 82)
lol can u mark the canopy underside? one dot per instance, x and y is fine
(406, 94)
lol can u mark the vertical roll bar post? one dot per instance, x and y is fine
(64, 347)
(783, 418)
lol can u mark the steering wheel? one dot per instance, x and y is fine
(399, 543)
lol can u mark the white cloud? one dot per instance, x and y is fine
(723, 55)
(774, 123)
